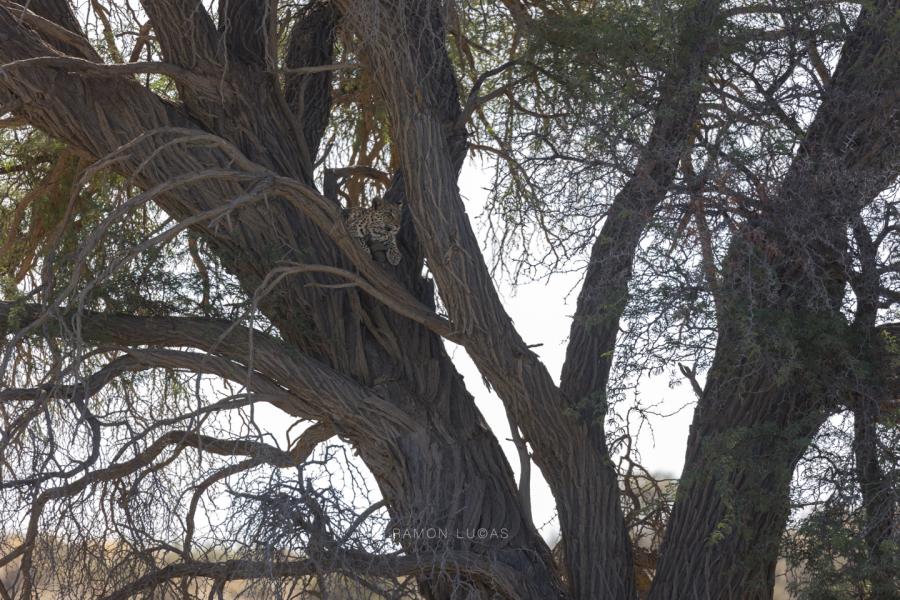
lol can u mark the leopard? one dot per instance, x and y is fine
(380, 223)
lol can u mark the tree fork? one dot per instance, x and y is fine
(785, 353)
(443, 442)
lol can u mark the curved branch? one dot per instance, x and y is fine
(185, 32)
(91, 384)
(318, 392)
(340, 561)
(54, 20)
(74, 65)
(133, 154)
(403, 304)
(259, 452)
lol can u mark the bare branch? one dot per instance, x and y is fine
(341, 561)
(75, 65)
(319, 393)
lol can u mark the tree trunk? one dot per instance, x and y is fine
(447, 444)
(879, 499)
(786, 357)
(880, 502)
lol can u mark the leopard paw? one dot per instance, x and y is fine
(394, 256)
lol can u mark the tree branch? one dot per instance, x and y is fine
(185, 32)
(338, 561)
(308, 91)
(75, 65)
(318, 392)
(54, 20)
(604, 293)
(406, 56)
(247, 28)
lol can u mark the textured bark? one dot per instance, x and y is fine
(605, 292)
(234, 158)
(785, 354)
(60, 13)
(311, 43)
(603, 298)
(880, 501)
(247, 28)
(563, 426)
(446, 444)
(409, 67)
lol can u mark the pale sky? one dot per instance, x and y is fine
(542, 314)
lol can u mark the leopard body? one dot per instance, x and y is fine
(377, 224)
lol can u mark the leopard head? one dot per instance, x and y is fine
(393, 211)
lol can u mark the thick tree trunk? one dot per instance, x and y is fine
(401, 402)
(880, 501)
(563, 426)
(733, 498)
(445, 445)
(786, 355)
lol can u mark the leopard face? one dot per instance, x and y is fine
(380, 224)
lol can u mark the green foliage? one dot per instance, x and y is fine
(613, 37)
(829, 557)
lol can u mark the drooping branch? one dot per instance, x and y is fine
(317, 391)
(134, 361)
(178, 439)
(90, 385)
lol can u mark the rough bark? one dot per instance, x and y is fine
(785, 355)
(604, 293)
(447, 444)
(880, 501)
(235, 158)
(311, 42)
(405, 48)
(568, 442)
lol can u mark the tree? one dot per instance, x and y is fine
(176, 227)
